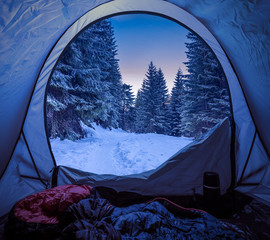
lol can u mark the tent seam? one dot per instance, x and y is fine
(33, 161)
(31, 177)
(247, 160)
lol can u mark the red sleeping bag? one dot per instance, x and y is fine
(46, 206)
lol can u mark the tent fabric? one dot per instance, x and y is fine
(242, 27)
(29, 30)
(182, 174)
(35, 33)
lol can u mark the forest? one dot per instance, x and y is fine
(86, 87)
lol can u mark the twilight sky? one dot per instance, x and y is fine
(142, 38)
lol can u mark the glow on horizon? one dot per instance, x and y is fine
(142, 38)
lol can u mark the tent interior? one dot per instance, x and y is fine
(34, 35)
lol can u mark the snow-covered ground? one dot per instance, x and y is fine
(116, 151)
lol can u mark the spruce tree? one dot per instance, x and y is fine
(146, 112)
(151, 103)
(160, 98)
(140, 117)
(206, 99)
(112, 78)
(127, 106)
(86, 84)
(176, 103)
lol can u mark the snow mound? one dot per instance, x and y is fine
(116, 152)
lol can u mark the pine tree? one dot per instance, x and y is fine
(206, 99)
(113, 78)
(160, 98)
(127, 105)
(151, 108)
(176, 103)
(86, 84)
(140, 117)
(145, 110)
(62, 119)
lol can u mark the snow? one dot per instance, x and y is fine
(116, 152)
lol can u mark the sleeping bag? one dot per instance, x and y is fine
(87, 215)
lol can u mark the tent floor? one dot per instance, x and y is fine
(241, 213)
(250, 216)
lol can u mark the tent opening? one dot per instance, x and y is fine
(129, 92)
(34, 36)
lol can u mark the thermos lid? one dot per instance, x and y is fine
(211, 179)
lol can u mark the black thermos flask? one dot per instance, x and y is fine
(211, 191)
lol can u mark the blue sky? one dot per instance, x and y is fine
(142, 38)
